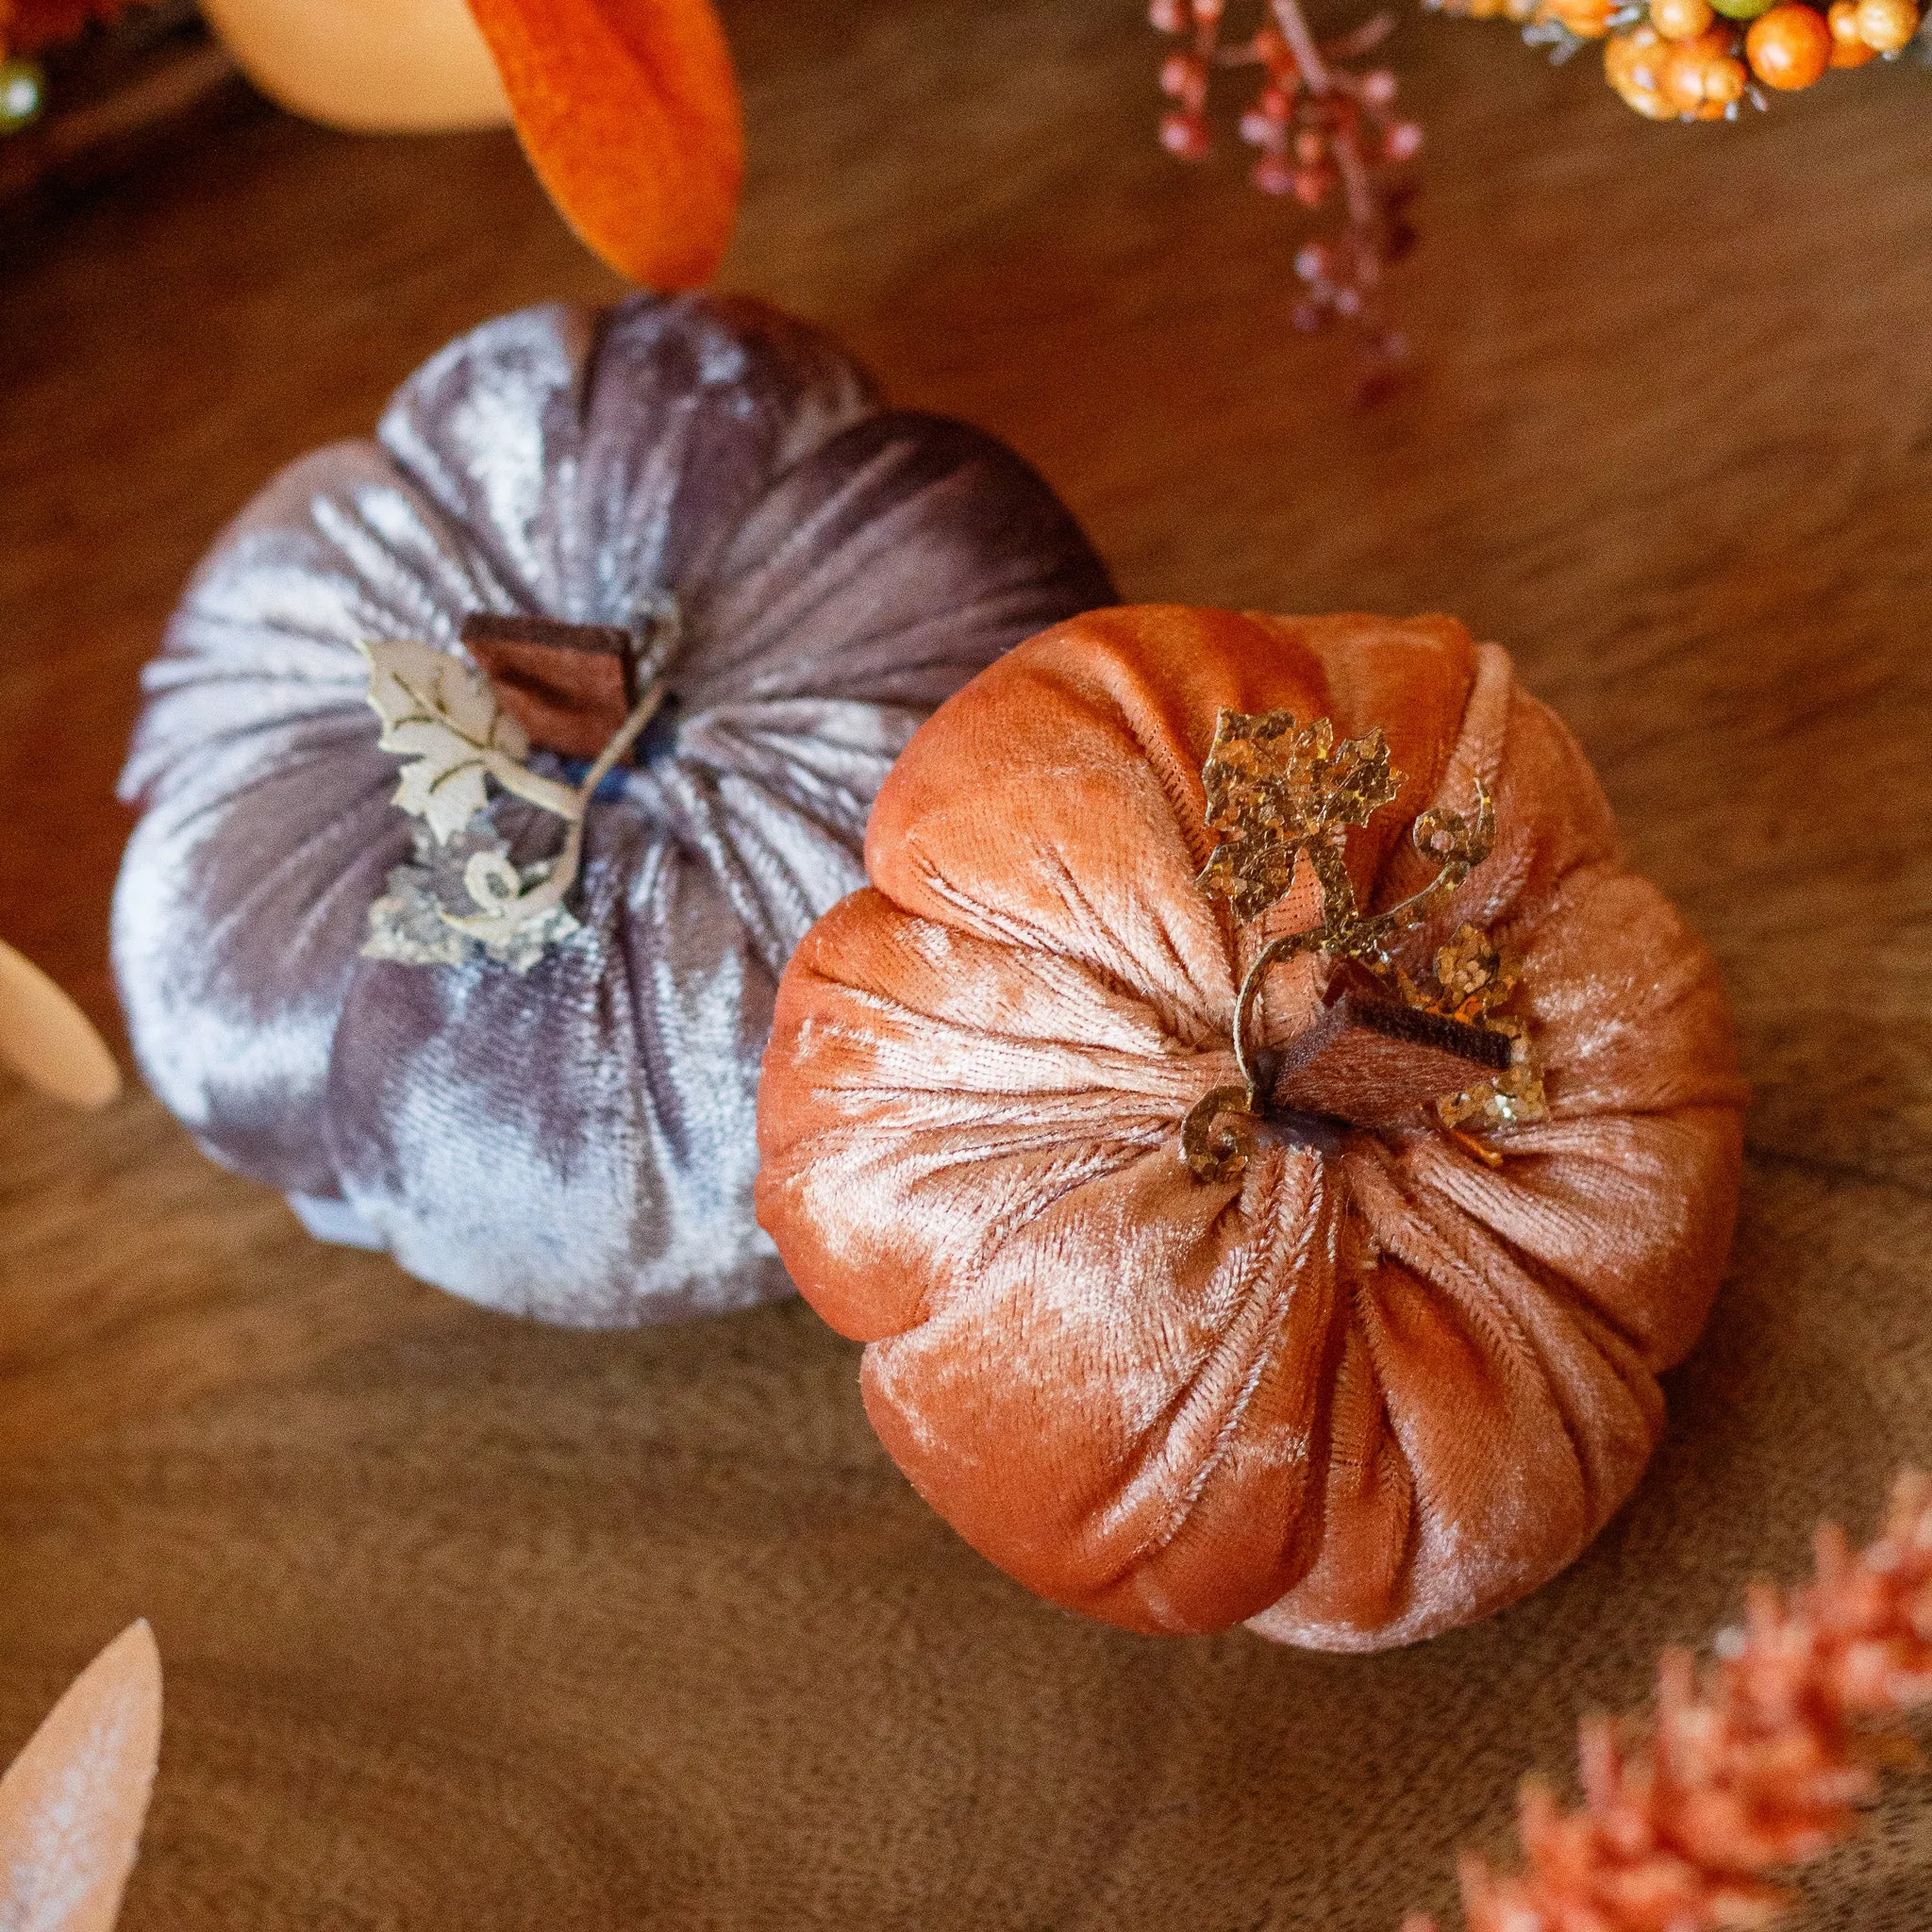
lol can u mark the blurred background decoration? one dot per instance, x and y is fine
(28, 26)
(1704, 59)
(381, 66)
(1327, 130)
(370, 64)
(86, 86)
(85, 82)
(629, 113)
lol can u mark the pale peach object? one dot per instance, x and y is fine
(1886, 25)
(73, 1803)
(49, 1041)
(1370, 1386)
(373, 66)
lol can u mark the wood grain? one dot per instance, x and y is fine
(468, 1624)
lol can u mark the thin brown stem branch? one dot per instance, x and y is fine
(1302, 44)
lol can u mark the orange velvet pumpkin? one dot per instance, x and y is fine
(374, 66)
(1386, 1377)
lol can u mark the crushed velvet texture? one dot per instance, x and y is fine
(1354, 1396)
(576, 1142)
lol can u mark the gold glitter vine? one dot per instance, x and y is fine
(1278, 790)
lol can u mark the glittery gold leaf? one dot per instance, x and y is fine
(1473, 977)
(1514, 1098)
(1466, 968)
(1276, 789)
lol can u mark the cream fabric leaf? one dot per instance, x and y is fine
(73, 1803)
(49, 1041)
(437, 712)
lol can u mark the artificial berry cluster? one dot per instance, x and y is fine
(1323, 130)
(1702, 59)
(1697, 58)
(1758, 1763)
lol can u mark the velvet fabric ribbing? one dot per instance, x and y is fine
(1353, 1395)
(576, 1142)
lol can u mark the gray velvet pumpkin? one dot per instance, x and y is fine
(576, 1140)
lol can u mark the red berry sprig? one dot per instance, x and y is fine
(1324, 131)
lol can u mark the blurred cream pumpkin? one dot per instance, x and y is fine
(628, 108)
(375, 65)
(50, 1043)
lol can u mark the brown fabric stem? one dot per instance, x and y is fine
(570, 686)
(1373, 1062)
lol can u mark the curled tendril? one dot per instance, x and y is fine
(1443, 838)
(1217, 1152)
(1448, 840)
(492, 882)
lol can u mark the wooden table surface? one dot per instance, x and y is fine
(467, 1623)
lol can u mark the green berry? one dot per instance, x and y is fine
(23, 95)
(1744, 9)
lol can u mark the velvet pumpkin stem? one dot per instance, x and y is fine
(1442, 836)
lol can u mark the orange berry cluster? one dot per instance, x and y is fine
(1700, 59)
(1686, 61)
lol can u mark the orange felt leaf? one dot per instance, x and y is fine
(73, 1803)
(629, 110)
